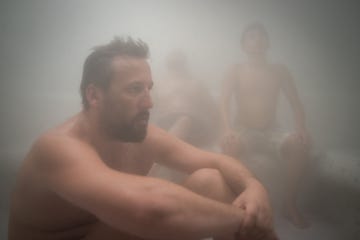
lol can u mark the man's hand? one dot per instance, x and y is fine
(257, 222)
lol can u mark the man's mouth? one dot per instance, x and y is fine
(143, 118)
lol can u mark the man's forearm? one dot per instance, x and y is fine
(182, 214)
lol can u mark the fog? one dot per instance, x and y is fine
(44, 44)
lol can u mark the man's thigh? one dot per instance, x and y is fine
(101, 231)
(211, 184)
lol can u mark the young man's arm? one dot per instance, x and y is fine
(229, 141)
(252, 197)
(142, 206)
(226, 97)
(292, 96)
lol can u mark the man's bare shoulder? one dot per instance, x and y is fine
(55, 139)
(56, 148)
(155, 136)
(159, 141)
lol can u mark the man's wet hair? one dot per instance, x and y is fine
(255, 26)
(97, 67)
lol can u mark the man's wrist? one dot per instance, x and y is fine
(252, 182)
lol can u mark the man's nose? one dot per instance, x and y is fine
(146, 101)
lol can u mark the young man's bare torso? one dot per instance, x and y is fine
(256, 85)
(257, 89)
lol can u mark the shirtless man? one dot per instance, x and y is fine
(86, 179)
(185, 109)
(183, 106)
(256, 85)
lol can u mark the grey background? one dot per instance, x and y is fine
(44, 43)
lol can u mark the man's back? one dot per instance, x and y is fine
(36, 211)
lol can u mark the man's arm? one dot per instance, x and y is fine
(229, 142)
(142, 206)
(292, 96)
(227, 92)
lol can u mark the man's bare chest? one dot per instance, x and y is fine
(263, 82)
(131, 160)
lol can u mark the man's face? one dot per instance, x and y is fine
(255, 42)
(124, 111)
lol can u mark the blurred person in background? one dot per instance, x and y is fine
(185, 108)
(255, 86)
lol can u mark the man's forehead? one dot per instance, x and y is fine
(128, 63)
(126, 68)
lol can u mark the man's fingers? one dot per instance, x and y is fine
(256, 227)
(248, 224)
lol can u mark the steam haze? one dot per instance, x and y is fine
(43, 46)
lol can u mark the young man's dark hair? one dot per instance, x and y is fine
(97, 66)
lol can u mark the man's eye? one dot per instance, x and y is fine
(135, 89)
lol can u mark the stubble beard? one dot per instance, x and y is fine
(127, 132)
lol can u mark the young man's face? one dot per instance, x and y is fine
(126, 103)
(255, 42)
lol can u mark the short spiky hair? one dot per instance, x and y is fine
(254, 26)
(97, 66)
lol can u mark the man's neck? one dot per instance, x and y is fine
(88, 128)
(257, 60)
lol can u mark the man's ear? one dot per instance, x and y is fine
(93, 95)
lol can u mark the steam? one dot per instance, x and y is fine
(44, 43)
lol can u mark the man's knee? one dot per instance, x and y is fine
(204, 177)
(209, 183)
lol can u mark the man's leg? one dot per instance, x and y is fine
(101, 231)
(296, 156)
(211, 184)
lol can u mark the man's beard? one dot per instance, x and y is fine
(133, 131)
